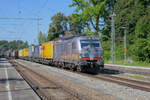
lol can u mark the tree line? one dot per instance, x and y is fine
(92, 17)
(12, 45)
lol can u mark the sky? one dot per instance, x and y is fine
(27, 30)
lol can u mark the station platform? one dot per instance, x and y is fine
(12, 85)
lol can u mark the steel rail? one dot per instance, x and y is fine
(135, 84)
(144, 86)
(33, 84)
(46, 96)
(127, 80)
(125, 83)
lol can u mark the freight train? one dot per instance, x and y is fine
(77, 53)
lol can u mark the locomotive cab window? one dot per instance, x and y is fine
(95, 43)
(89, 43)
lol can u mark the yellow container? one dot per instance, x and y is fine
(47, 50)
(25, 52)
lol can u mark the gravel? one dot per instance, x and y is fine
(126, 69)
(106, 88)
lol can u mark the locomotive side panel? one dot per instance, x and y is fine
(68, 50)
(75, 49)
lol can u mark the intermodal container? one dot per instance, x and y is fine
(25, 52)
(31, 51)
(20, 53)
(13, 53)
(37, 52)
(47, 50)
(10, 54)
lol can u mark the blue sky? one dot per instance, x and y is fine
(27, 30)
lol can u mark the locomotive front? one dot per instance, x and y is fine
(90, 53)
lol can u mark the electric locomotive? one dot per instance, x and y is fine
(81, 53)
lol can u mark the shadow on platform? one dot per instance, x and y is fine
(4, 66)
(44, 88)
(4, 80)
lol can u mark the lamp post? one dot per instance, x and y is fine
(113, 37)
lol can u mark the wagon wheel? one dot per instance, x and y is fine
(72, 67)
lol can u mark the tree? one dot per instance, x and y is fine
(128, 13)
(51, 33)
(133, 14)
(41, 38)
(16, 45)
(142, 44)
(3, 46)
(12, 45)
(92, 13)
(57, 26)
(61, 23)
(76, 24)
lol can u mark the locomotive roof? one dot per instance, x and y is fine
(66, 38)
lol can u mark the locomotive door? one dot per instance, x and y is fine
(69, 53)
(69, 50)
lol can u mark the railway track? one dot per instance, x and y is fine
(45, 88)
(118, 69)
(135, 84)
(140, 85)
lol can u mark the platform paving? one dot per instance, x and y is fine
(12, 85)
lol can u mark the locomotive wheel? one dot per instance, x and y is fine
(79, 69)
(59, 64)
(71, 67)
(63, 65)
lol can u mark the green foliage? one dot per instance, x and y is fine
(142, 45)
(133, 14)
(92, 17)
(90, 12)
(3, 46)
(41, 38)
(128, 13)
(76, 23)
(58, 26)
(88, 32)
(61, 23)
(106, 47)
(12, 45)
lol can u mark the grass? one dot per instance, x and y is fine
(140, 77)
(135, 63)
